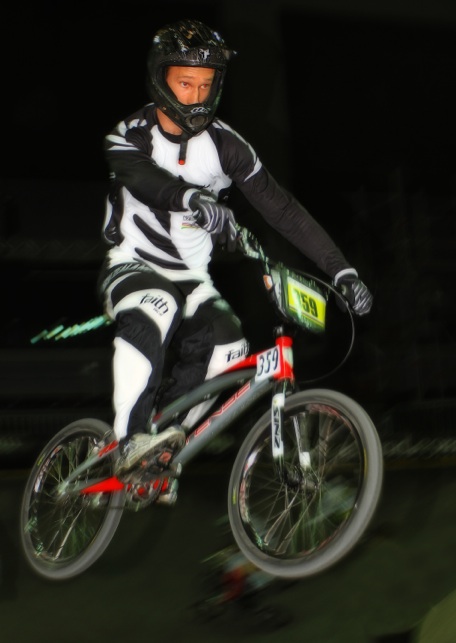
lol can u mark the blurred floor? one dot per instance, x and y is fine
(150, 581)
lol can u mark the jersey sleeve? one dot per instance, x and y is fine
(277, 206)
(291, 219)
(128, 150)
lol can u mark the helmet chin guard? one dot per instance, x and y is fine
(188, 43)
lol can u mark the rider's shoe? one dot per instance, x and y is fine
(143, 446)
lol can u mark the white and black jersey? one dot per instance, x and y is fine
(148, 214)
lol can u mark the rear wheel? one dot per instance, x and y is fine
(63, 532)
(301, 520)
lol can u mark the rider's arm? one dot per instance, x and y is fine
(128, 151)
(286, 215)
(279, 208)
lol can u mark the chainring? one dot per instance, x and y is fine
(142, 485)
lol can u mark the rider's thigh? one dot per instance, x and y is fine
(156, 298)
(206, 344)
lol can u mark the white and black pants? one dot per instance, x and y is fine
(152, 313)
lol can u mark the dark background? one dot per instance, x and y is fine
(350, 105)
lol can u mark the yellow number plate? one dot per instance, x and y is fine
(306, 304)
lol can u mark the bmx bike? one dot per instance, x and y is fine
(304, 485)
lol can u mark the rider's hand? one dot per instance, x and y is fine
(355, 291)
(214, 217)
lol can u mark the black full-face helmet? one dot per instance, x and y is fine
(188, 43)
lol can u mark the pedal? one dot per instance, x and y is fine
(168, 495)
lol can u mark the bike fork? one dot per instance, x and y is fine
(285, 383)
(277, 406)
(284, 386)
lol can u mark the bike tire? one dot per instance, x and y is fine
(61, 536)
(301, 523)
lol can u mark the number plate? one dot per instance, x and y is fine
(306, 303)
(268, 364)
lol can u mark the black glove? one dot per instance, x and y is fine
(214, 217)
(355, 292)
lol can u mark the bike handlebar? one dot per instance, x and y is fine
(250, 247)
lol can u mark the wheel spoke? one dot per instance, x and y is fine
(64, 531)
(317, 506)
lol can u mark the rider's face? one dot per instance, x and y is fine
(190, 85)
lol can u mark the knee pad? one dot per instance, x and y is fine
(213, 338)
(156, 308)
(226, 355)
(229, 346)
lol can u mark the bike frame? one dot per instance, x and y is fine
(318, 448)
(256, 375)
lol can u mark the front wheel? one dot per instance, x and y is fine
(62, 533)
(298, 519)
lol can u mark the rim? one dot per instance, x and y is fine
(305, 510)
(61, 528)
